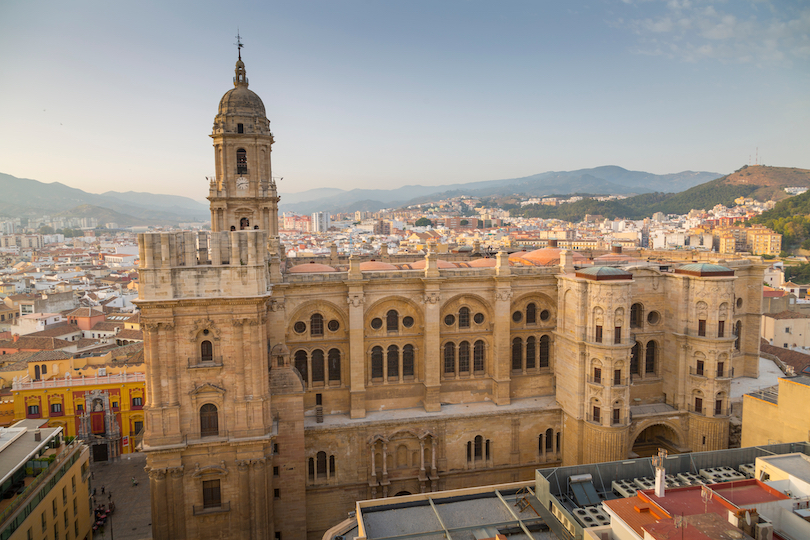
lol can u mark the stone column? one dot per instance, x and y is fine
(357, 353)
(501, 357)
(172, 365)
(433, 368)
(385, 460)
(152, 365)
(244, 503)
(239, 358)
(373, 461)
(160, 521)
(260, 496)
(422, 456)
(178, 503)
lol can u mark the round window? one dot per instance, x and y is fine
(653, 317)
(449, 320)
(333, 325)
(544, 315)
(739, 302)
(517, 316)
(300, 327)
(478, 318)
(206, 332)
(407, 322)
(376, 323)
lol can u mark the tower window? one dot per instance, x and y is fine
(240, 128)
(241, 161)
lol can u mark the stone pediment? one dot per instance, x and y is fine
(207, 388)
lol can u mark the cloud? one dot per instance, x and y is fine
(756, 32)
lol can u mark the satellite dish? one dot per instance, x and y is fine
(748, 518)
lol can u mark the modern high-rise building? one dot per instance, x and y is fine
(320, 222)
(279, 395)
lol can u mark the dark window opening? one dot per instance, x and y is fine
(206, 351)
(240, 128)
(211, 494)
(464, 357)
(597, 375)
(316, 324)
(517, 354)
(478, 356)
(334, 365)
(464, 318)
(721, 329)
(449, 358)
(393, 362)
(392, 321)
(702, 327)
(544, 351)
(636, 315)
(241, 161)
(209, 420)
(598, 337)
(301, 365)
(635, 352)
(377, 362)
(407, 361)
(617, 335)
(317, 366)
(530, 352)
(617, 377)
(649, 360)
(531, 314)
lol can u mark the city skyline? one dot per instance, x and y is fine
(364, 94)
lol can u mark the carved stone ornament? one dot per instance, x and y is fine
(355, 300)
(177, 472)
(503, 296)
(222, 470)
(203, 324)
(276, 305)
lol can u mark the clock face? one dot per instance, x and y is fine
(241, 183)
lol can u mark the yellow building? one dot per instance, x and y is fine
(772, 417)
(98, 400)
(44, 485)
(763, 241)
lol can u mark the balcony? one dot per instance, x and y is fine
(207, 362)
(594, 419)
(596, 380)
(725, 374)
(698, 372)
(203, 510)
(697, 410)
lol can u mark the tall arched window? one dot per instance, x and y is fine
(549, 440)
(301, 365)
(649, 358)
(464, 317)
(531, 313)
(317, 366)
(36, 372)
(316, 324)
(531, 352)
(393, 362)
(320, 459)
(517, 354)
(636, 315)
(334, 365)
(377, 362)
(241, 161)
(478, 444)
(464, 357)
(544, 351)
(407, 361)
(206, 351)
(392, 321)
(478, 356)
(635, 352)
(738, 333)
(449, 358)
(209, 420)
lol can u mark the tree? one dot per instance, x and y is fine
(45, 229)
(423, 222)
(464, 222)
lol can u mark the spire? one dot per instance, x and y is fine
(241, 75)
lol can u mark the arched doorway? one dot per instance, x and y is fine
(654, 437)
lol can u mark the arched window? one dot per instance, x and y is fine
(301, 365)
(320, 459)
(464, 317)
(738, 333)
(311, 469)
(544, 351)
(407, 361)
(478, 356)
(334, 365)
(635, 352)
(478, 444)
(531, 314)
(332, 466)
(206, 351)
(244, 223)
(392, 321)
(36, 372)
(464, 357)
(241, 161)
(531, 352)
(449, 358)
(636, 315)
(317, 366)
(377, 362)
(44, 369)
(517, 354)
(209, 420)
(549, 440)
(649, 358)
(393, 362)
(316, 325)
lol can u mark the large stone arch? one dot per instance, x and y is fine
(328, 309)
(381, 307)
(671, 425)
(542, 301)
(472, 301)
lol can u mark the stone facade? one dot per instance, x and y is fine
(276, 397)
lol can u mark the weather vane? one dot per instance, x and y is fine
(239, 43)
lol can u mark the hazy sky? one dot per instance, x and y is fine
(121, 96)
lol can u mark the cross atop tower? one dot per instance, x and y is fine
(239, 43)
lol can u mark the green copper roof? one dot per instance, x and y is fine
(704, 269)
(600, 273)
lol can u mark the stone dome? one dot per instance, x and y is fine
(310, 268)
(370, 266)
(550, 255)
(241, 101)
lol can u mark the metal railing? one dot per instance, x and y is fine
(79, 381)
(596, 380)
(197, 436)
(698, 372)
(213, 361)
(701, 411)
(594, 420)
(725, 374)
(202, 509)
(620, 421)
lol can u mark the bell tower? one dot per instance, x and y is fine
(243, 193)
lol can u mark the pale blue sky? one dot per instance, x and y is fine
(121, 96)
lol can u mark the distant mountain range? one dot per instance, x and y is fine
(608, 180)
(31, 198)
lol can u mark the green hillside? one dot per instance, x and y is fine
(791, 219)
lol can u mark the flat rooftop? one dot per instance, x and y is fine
(797, 465)
(17, 445)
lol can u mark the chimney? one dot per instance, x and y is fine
(660, 472)
(617, 248)
(16, 337)
(552, 243)
(37, 435)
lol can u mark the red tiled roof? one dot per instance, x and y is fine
(797, 360)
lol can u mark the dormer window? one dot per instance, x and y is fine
(240, 128)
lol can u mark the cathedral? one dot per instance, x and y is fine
(278, 394)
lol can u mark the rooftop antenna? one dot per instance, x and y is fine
(239, 43)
